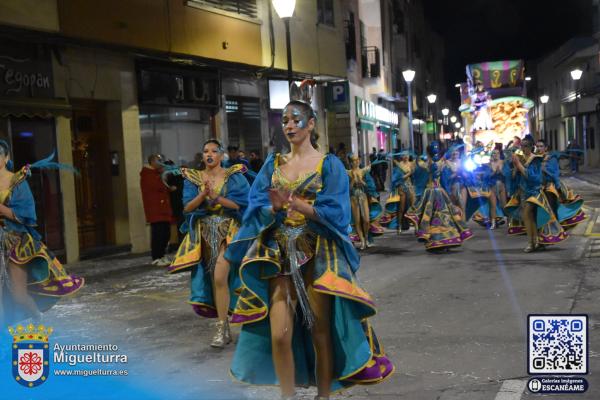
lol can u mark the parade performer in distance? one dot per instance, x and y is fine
(439, 224)
(366, 210)
(529, 202)
(480, 103)
(482, 200)
(402, 193)
(31, 278)
(453, 177)
(304, 317)
(567, 206)
(497, 178)
(214, 202)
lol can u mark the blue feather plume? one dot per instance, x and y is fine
(47, 163)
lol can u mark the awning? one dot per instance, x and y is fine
(384, 128)
(366, 126)
(41, 108)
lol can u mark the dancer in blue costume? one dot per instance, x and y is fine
(529, 202)
(402, 195)
(482, 198)
(439, 224)
(366, 210)
(420, 176)
(304, 316)
(214, 201)
(31, 278)
(453, 177)
(566, 205)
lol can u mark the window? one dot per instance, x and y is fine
(325, 12)
(176, 133)
(246, 8)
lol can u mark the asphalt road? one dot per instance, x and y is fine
(453, 323)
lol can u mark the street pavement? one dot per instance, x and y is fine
(453, 323)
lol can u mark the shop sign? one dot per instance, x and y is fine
(372, 112)
(337, 95)
(25, 70)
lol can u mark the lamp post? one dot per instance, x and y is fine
(285, 10)
(576, 76)
(431, 99)
(453, 119)
(408, 76)
(544, 99)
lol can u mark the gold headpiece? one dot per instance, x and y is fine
(30, 332)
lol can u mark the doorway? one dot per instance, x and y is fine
(93, 186)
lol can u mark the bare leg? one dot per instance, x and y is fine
(18, 278)
(529, 220)
(365, 221)
(281, 319)
(321, 335)
(222, 285)
(402, 205)
(357, 220)
(492, 201)
(463, 199)
(502, 194)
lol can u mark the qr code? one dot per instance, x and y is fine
(557, 344)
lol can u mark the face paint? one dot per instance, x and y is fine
(299, 118)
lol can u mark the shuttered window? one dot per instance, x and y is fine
(246, 8)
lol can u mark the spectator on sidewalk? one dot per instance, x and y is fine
(157, 207)
(256, 162)
(176, 197)
(574, 152)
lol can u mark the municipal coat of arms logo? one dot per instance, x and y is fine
(30, 354)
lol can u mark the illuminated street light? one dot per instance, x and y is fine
(544, 98)
(527, 78)
(453, 119)
(445, 112)
(285, 10)
(457, 125)
(431, 98)
(409, 75)
(576, 74)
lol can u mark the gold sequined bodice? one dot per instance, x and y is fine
(306, 187)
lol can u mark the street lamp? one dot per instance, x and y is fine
(431, 99)
(544, 99)
(285, 10)
(409, 75)
(576, 76)
(453, 119)
(457, 125)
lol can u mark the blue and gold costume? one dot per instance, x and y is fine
(481, 185)
(438, 222)
(270, 244)
(401, 183)
(529, 189)
(363, 186)
(21, 244)
(207, 228)
(567, 206)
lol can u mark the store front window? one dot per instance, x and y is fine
(176, 133)
(32, 139)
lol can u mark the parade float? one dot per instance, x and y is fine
(494, 107)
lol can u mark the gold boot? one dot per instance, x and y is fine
(220, 340)
(227, 333)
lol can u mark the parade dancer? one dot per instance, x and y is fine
(304, 316)
(566, 204)
(497, 179)
(214, 199)
(439, 224)
(31, 278)
(530, 204)
(366, 210)
(482, 200)
(453, 177)
(402, 195)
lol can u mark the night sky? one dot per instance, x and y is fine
(489, 30)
